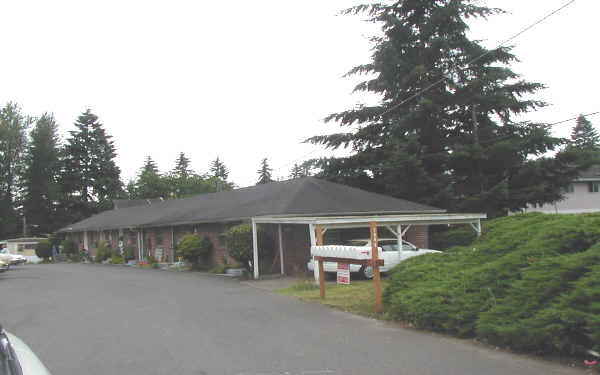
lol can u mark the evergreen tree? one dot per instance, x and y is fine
(296, 171)
(13, 142)
(584, 145)
(219, 170)
(150, 183)
(182, 167)
(304, 169)
(584, 136)
(90, 177)
(130, 189)
(41, 178)
(443, 133)
(219, 174)
(264, 173)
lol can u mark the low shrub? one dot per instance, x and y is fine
(219, 269)
(43, 249)
(103, 253)
(531, 282)
(238, 240)
(194, 247)
(128, 253)
(69, 247)
(76, 258)
(116, 259)
(442, 238)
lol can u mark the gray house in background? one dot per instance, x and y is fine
(582, 195)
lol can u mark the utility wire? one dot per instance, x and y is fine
(429, 87)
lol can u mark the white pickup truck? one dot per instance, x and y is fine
(392, 256)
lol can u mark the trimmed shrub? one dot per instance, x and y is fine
(76, 258)
(116, 259)
(238, 240)
(128, 253)
(194, 247)
(531, 282)
(103, 253)
(43, 249)
(442, 238)
(69, 247)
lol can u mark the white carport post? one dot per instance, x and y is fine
(254, 249)
(280, 248)
(313, 242)
(85, 241)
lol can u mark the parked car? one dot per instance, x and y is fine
(392, 256)
(13, 259)
(16, 358)
(4, 266)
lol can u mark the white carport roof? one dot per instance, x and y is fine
(394, 222)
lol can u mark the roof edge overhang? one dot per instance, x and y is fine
(359, 221)
(247, 218)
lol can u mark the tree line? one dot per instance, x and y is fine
(47, 183)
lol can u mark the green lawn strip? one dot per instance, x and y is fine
(357, 298)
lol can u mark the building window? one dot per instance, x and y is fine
(570, 188)
(159, 239)
(594, 187)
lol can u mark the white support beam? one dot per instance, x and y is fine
(86, 245)
(279, 233)
(399, 234)
(477, 227)
(406, 229)
(394, 232)
(313, 242)
(255, 249)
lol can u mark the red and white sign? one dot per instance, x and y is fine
(343, 273)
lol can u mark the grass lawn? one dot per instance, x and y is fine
(357, 298)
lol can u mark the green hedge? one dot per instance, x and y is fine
(531, 282)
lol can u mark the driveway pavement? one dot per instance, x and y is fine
(92, 319)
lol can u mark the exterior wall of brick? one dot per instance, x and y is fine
(418, 235)
(296, 242)
(296, 248)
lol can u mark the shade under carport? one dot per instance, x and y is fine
(393, 222)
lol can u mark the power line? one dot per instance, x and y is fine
(434, 84)
(574, 118)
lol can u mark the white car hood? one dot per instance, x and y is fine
(30, 363)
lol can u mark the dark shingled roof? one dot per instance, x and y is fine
(306, 196)
(126, 203)
(591, 173)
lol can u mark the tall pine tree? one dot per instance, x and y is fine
(443, 133)
(41, 179)
(219, 174)
(13, 142)
(150, 183)
(264, 173)
(90, 177)
(584, 136)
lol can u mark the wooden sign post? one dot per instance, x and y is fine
(375, 258)
(374, 262)
(321, 271)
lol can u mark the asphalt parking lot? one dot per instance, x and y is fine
(95, 319)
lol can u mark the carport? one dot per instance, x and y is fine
(398, 224)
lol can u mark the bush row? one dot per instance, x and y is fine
(531, 282)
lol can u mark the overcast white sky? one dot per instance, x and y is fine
(244, 80)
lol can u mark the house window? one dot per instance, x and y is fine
(594, 187)
(570, 188)
(159, 238)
